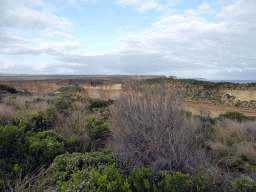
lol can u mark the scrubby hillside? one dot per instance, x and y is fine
(222, 93)
(142, 141)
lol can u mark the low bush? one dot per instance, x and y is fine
(234, 115)
(23, 149)
(98, 131)
(71, 89)
(86, 171)
(8, 89)
(100, 103)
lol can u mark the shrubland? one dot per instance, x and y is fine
(143, 141)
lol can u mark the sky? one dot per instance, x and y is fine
(211, 39)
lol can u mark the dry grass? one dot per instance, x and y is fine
(232, 141)
(149, 130)
(73, 126)
(17, 102)
(7, 111)
(32, 182)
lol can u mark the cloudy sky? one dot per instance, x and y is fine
(212, 39)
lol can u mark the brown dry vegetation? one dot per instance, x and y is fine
(149, 130)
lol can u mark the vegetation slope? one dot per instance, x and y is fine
(144, 141)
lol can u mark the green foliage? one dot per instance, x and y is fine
(141, 179)
(242, 184)
(207, 85)
(71, 89)
(8, 89)
(87, 171)
(187, 113)
(240, 117)
(98, 131)
(62, 105)
(238, 104)
(100, 103)
(110, 180)
(43, 121)
(25, 148)
(204, 181)
(174, 182)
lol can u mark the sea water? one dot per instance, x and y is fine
(232, 81)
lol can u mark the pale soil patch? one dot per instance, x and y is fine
(194, 107)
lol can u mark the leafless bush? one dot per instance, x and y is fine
(73, 126)
(7, 112)
(148, 130)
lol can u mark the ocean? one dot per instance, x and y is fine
(232, 81)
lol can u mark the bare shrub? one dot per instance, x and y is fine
(18, 102)
(79, 105)
(148, 130)
(228, 132)
(250, 130)
(73, 126)
(7, 112)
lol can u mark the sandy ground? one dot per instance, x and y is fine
(194, 107)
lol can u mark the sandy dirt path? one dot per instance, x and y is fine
(194, 107)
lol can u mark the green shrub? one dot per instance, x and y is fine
(188, 113)
(110, 180)
(141, 179)
(100, 103)
(62, 104)
(236, 116)
(175, 182)
(244, 183)
(8, 88)
(24, 150)
(98, 131)
(238, 104)
(71, 89)
(76, 171)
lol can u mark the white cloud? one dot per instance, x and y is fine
(185, 45)
(206, 8)
(6, 65)
(144, 5)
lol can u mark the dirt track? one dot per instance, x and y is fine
(194, 107)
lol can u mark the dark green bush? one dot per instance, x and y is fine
(62, 104)
(98, 132)
(71, 89)
(141, 179)
(8, 88)
(234, 115)
(100, 103)
(76, 171)
(187, 113)
(22, 149)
